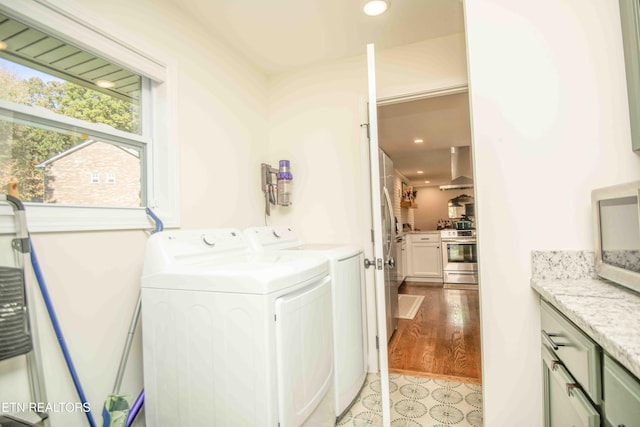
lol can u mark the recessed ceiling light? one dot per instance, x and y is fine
(427, 182)
(3, 45)
(420, 172)
(105, 83)
(375, 7)
(418, 141)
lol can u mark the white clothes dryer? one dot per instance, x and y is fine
(349, 314)
(232, 337)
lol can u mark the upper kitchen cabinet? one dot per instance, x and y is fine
(630, 21)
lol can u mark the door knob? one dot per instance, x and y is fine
(391, 262)
(373, 262)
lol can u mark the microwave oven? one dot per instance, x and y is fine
(616, 222)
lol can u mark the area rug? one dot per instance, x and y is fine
(408, 305)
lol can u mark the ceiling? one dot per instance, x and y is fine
(282, 35)
(442, 122)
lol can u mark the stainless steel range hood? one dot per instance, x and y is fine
(461, 169)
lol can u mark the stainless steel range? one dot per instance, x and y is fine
(459, 258)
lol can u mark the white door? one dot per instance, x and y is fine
(378, 248)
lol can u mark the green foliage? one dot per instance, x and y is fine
(23, 147)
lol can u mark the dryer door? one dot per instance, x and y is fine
(304, 346)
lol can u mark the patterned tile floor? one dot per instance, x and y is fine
(418, 402)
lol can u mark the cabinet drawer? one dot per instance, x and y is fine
(565, 403)
(433, 237)
(573, 348)
(621, 395)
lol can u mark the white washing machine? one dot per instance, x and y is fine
(232, 337)
(349, 316)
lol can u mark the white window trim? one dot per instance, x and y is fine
(49, 119)
(87, 32)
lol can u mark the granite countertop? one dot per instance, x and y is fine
(608, 313)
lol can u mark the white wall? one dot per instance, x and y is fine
(314, 119)
(93, 278)
(432, 205)
(222, 108)
(550, 122)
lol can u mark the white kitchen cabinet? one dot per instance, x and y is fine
(424, 257)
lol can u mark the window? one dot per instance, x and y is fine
(45, 152)
(66, 113)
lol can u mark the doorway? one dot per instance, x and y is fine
(442, 339)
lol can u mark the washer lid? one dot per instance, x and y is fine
(252, 273)
(284, 238)
(329, 250)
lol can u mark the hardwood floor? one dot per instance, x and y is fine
(443, 340)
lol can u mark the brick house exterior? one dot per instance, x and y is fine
(93, 173)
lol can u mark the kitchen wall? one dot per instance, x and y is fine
(432, 206)
(550, 123)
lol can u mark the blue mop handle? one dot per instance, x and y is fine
(56, 326)
(158, 221)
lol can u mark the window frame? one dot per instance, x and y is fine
(159, 133)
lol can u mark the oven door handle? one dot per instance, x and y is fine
(470, 241)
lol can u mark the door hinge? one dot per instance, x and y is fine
(377, 343)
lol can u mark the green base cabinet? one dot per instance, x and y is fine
(565, 404)
(621, 395)
(571, 371)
